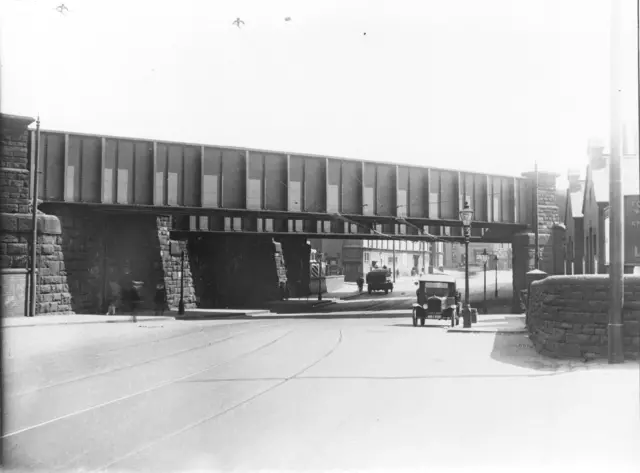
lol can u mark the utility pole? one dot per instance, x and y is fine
(535, 218)
(34, 219)
(638, 71)
(616, 210)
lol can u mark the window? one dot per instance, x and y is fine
(366, 257)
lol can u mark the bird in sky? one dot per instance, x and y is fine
(62, 8)
(238, 22)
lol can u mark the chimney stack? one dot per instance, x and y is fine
(595, 152)
(574, 180)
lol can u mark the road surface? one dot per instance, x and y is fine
(300, 395)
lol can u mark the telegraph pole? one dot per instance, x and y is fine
(535, 218)
(638, 71)
(616, 210)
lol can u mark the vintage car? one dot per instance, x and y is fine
(379, 280)
(437, 298)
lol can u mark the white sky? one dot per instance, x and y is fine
(474, 85)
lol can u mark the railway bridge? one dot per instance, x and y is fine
(212, 215)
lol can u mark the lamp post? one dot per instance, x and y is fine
(394, 260)
(398, 214)
(181, 303)
(319, 260)
(495, 258)
(466, 215)
(485, 259)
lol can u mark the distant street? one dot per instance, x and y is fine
(404, 294)
(308, 394)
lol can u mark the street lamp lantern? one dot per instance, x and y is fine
(466, 216)
(484, 257)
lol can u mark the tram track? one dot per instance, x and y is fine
(228, 410)
(146, 362)
(146, 390)
(81, 350)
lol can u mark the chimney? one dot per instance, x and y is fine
(574, 180)
(595, 152)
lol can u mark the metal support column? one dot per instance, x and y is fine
(34, 218)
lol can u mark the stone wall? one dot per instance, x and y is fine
(14, 163)
(568, 316)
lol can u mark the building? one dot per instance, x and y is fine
(573, 221)
(587, 239)
(361, 256)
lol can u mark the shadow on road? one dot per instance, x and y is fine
(410, 325)
(516, 349)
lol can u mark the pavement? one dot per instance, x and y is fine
(346, 301)
(305, 394)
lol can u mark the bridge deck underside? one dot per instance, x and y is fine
(205, 181)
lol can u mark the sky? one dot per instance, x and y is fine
(488, 86)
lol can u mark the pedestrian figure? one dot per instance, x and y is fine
(160, 299)
(115, 297)
(136, 297)
(360, 283)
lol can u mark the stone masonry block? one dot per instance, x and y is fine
(570, 350)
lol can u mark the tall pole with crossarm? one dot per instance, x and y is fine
(616, 268)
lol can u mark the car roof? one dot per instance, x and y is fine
(437, 278)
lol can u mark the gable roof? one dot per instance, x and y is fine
(575, 201)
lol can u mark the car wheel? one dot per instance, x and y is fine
(369, 290)
(415, 317)
(422, 321)
(386, 291)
